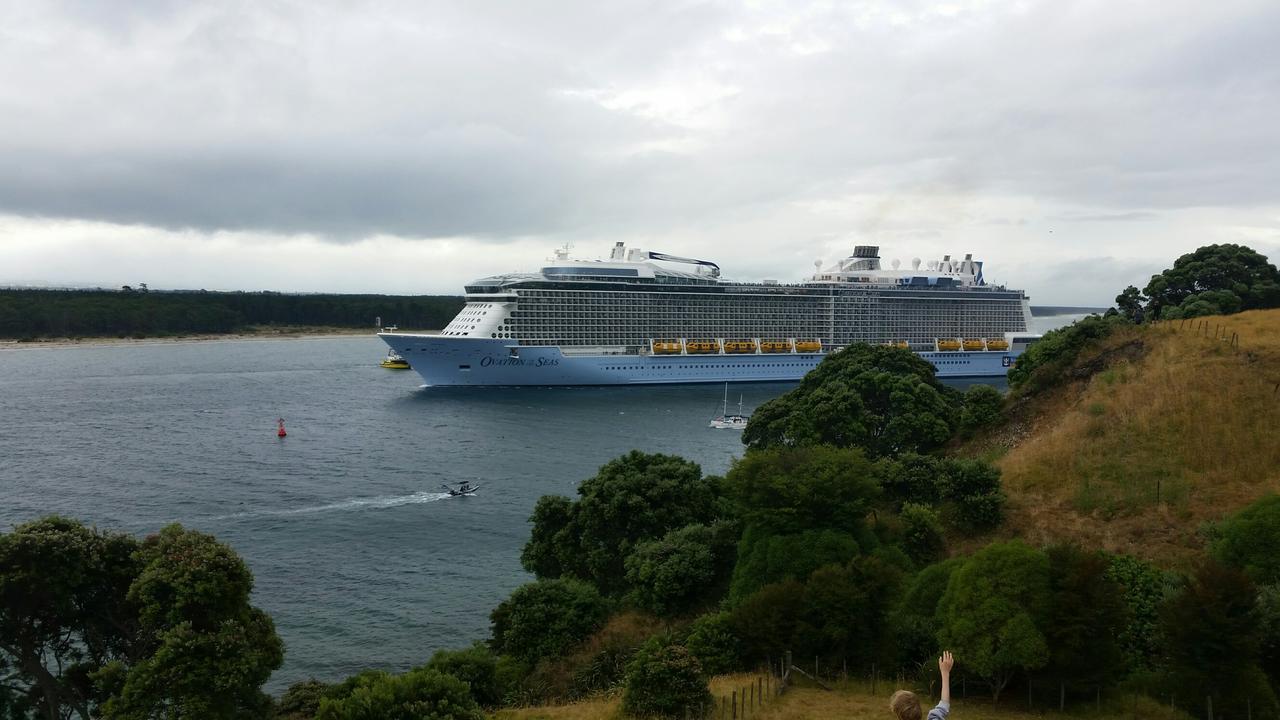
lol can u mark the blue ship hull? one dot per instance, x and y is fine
(445, 361)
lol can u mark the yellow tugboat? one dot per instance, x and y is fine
(394, 362)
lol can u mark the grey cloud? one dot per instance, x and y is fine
(495, 120)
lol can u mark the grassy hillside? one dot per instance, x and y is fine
(854, 701)
(1148, 436)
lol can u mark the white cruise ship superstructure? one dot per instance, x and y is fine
(646, 317)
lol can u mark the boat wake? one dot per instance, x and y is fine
(375, 503)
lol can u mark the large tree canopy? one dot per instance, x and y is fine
(882, 399)
(993, 609)
(636, 498)
(208, 651)
(1212, 280)
(99, 625)
(64, 612)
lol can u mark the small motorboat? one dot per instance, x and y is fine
(464, 488)
(394, 362)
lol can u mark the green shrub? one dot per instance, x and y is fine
(1145, 589)
(301, 701)
(921, 534)
(914, 620)
(685, 569)
(546, 618)
(973, 496)
(765, 621)
(420, 694)
(910, 478)
(665, 680)
(1044, 362)
(983, 407)
(1250, 541)
(476, 666)
(712, 641)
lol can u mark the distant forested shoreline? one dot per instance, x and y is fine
(35, 314)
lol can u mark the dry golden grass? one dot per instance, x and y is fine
(853, 702)
(1192, 416)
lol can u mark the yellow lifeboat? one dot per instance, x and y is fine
(701, 347)
(775, 346)
(903, 344)
(997, 344)
(740, 346)
(973, 344)
(948, 344)
(666, 347)
(808, 346)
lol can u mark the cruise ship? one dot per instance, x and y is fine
(643, 317)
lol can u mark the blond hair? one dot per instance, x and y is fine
(904, 705)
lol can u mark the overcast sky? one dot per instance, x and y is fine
(1076, 147)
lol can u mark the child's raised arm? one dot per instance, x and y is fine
(944, 668)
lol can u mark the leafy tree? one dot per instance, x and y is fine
(64, 613)
(1144, 591)
(1214, 279)
(910, 478)
(801, 508)
(1211, 628)
(921, 533)
(665, 680)
(1268, 614)
(766, 620)
(632, 499)
(993, 609)
(552, 548)
(845, 610)
(476, 666)
(983, 407)
(1044, 363)
(1129, 304)
(787, 490)
(301, 701)
(970, 489)
(546, 618)
(684, 569)
(1250, 540)
(712, 641)
(765, 559)
(421, 694)
(914, 620)
(208, 651)
(881, 399)
(1086, 615)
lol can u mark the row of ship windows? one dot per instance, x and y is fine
(716, 366)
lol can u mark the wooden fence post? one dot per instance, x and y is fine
(1208, 701)
(734, 701)
(873, 678)
(1062, 696)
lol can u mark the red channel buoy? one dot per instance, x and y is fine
(280, 432)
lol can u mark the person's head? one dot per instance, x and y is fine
(904, 705)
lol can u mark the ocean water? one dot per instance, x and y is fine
(357, 554)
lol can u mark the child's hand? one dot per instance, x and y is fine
(945, 662)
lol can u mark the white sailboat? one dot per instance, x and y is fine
(727, 421)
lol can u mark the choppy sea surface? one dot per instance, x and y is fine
(357, 553)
